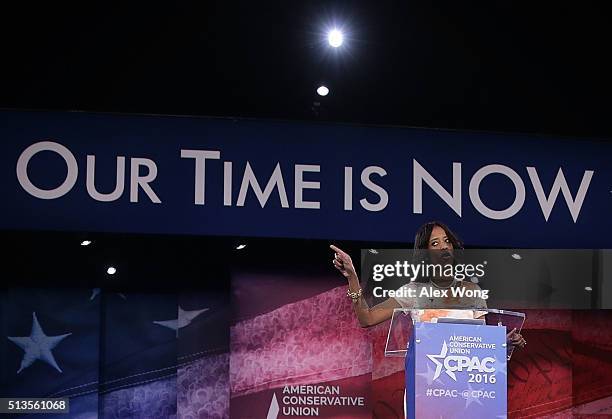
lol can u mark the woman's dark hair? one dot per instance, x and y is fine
(421, 240)
(421, 243)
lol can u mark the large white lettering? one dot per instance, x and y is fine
(119, 182)
(519, 196)
(421, 175)
(276, 181)
(364, 187)
(26, 183)
(560, 185)
(200, 157)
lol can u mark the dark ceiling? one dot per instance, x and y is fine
(505, 66)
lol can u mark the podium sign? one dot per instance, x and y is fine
(456, 370)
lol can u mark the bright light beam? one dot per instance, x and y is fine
(335, 38)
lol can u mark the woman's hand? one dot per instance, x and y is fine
(367, 316)
(514, 338)
(343, 262)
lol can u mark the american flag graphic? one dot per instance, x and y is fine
(118, 354)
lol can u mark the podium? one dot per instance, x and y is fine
(456, 364)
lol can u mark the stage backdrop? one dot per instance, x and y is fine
(193, 328)
(186, 175)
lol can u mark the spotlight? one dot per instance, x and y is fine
(111, 270)
(335, 38)
(373, 251)
(588, 289)
(322, 91)
(85, 242)
(240, 246)
(516, 256)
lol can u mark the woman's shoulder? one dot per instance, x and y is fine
(475, 302)
(470, 285)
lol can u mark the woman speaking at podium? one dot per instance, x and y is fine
(439, 243)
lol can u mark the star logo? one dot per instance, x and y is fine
(429, 376)
(37, 346)
(185, 317)
(439, 364)
(274, 408)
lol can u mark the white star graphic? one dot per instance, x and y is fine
(470, 399)
(429, 375)
(442, 355)
(273, 409)
(185, 317)
(37, 346)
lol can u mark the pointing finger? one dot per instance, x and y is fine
(337, 249)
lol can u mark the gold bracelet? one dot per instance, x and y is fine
(353, 295)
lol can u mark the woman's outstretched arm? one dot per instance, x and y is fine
(367, 316)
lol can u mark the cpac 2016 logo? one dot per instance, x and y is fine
(460, 363)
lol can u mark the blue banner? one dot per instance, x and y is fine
(188, 175)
